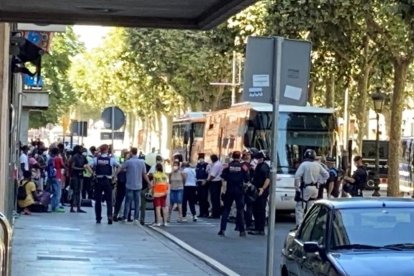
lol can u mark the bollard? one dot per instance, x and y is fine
(6, 246)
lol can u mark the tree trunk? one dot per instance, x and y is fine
(311, 92)
(363, 80)
(330, 92)
(400, 75)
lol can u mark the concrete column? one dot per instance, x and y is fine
(24, 126)
(6, 186)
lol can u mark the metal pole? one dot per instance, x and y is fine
(376, 176)
(276, 87)
(346, 118)
(233, 80)
(7, 237)
(112, 127)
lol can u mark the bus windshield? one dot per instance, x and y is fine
(297, 132)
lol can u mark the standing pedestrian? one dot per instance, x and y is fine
(78, 164)
(358, 180)
(42, 162)
(177, 181)
(24, 161)
(54, 178)
(234, 176)
(160, 188)
(145, 192)
(215, 185)
(202, 185)
(120, 187)
(249, 192)
(87, 176)
(190, 190)
(306, 181)
(104, 165)
(135, 171)
(261, 180)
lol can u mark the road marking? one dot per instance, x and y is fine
(210, 261)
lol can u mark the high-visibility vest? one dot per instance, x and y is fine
(160, 184)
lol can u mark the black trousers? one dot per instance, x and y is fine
(215, 192)
(202, 193)
(87, 188)
(76, 186)
(248, 214)
(103, 186)
(228, 199)
(120, 195)
(190, 197)
(259, 212)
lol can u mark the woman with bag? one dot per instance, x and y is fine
(160, 188)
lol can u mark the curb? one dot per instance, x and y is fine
(208, 260)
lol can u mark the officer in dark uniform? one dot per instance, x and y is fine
(202, 185)
(234, 175)
(359, 179)
(104, 168)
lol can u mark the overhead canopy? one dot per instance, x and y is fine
(181, 14)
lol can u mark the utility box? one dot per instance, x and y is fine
(35, 100)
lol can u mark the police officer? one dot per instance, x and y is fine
(202, 185)
(234, 176)
(104, 168)
(359, 178)
(306, 179)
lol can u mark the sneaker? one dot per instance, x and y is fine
(59, 210)
(115, 218)
(165, 224)
(243, 234)
(81, 211)
(157, 224)
(194, 218)
(109, 221)
(136, 222)
(221, 233)
(180, 220)
(184, 220)
(142, 222)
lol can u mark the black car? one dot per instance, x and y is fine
(353, 236)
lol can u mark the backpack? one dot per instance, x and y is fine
(50, 169)
(21, 191)
(201, 171)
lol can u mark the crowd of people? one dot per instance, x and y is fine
(50, 178)
(53, 177)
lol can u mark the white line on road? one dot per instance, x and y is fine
(210, 261)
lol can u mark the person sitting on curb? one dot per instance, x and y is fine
(28, 201)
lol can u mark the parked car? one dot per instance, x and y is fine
(353, 236)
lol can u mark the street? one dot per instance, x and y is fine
(246, 256)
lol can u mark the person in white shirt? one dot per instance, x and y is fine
(214, 179)
(24, 160)
(190, 190)
(151, 158)
(306, 181)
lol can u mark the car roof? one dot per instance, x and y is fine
(371, 202)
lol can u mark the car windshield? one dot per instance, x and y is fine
(375, 227)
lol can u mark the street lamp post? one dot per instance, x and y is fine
(378, 100)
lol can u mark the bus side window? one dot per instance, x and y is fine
(186, 137)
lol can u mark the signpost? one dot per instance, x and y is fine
(114, 119)
(275, 65)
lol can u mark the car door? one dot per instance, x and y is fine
(314, 263)
(295, 251)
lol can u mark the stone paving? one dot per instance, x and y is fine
(53, 244)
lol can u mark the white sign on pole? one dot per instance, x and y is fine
(261, 80)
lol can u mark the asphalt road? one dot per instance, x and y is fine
(246, 256)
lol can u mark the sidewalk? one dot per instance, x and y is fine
(72, 244)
